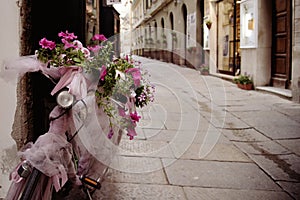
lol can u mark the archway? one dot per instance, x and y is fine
(172, 41)
(163, 42)
(155, 42)
(183, 52)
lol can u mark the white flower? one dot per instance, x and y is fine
(120, 74)
(78, 44)
(132, 93)
(86, 52)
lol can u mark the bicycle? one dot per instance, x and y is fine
(32, 180)
(97, 96)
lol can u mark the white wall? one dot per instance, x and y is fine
(9, 40)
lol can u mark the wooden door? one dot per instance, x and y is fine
(281, 41)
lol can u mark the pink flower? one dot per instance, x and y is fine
(99, 37)
(103, 73)
(67, 44)
(136, 75)
(67, 35)
(135, 117)
(95, 48)
(131, 133)
(47, 44)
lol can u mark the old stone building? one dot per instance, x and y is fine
(169, 30)
(233, 37)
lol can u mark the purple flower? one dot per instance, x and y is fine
(47, 44)
(68, 44)
(67, 36)
(135, 117)
(136, 75)
(95, 48)
(99, 37)
(131, 133)
(110, 134)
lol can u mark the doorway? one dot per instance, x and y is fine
(281, 41)
(228, 50)
(184, 15)
(36, 23)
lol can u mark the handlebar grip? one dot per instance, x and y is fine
(90, 182)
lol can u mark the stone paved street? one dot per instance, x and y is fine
(204, 138)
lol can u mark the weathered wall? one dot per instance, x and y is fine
(296, 52)
(9, 40)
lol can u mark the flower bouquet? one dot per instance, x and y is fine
(121, 80)
(110, 91)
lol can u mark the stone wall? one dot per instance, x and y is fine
(22, 125)
(296, 52)
(9, 41)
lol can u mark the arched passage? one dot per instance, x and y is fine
(183, 51)
(155, 39)
(162, 21)
(163, 43)
(171, 17)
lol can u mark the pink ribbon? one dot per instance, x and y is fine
(14, 176)
(72, 78)
(61, 176)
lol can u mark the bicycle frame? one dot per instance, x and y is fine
(40, 183)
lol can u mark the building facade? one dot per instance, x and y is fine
(160, 28)
(253, 37)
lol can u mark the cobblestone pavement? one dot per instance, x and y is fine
(204, 138)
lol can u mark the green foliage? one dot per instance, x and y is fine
(204, 68)
(103, 57)
(243, 79)
(122, 83)
(61, 56)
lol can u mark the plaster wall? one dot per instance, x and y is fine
(262, 67)
(256, 62)
(9, 40)
(211, 12)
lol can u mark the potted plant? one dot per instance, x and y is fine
(244, 82)
(204, 69)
